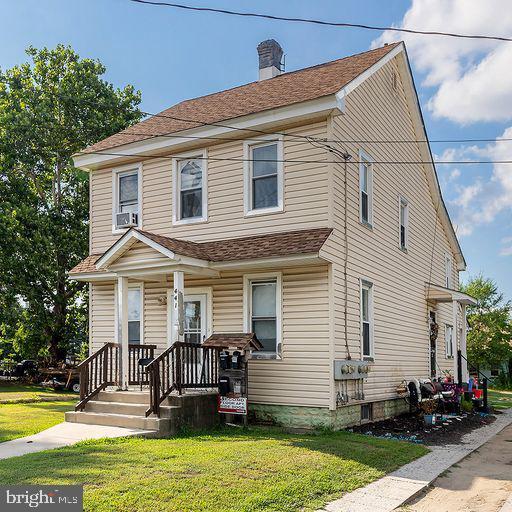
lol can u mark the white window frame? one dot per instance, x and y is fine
(402, 201)
(247, 310)
(261, 141)
(448, 328)
(448, 271)
(365, 158)
(131, 286)
(176, 202)
(367, 285)
(116, 173)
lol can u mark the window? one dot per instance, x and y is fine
(190, 189)
(448, 270)
(367, 319)
(264, 177)
(365, 188)
(367, 412)
(127, 197)
(262, 299)
(404, 223)
(448, 338)
(135, 315)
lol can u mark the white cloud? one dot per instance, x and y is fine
(472, 77)
(506, 250)
(479, 202)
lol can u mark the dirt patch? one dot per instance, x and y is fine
(479, 483)
(449, 429)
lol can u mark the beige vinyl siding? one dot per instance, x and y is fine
(102, 315)
(305, 195)
(401, 343)
(301, 377)
(139, 252)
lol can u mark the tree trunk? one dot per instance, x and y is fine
(57, 348)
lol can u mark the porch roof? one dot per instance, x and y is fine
(436, 293)
(283, 244)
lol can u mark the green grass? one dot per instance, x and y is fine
(255, 470)
(500, 399)
(18, 420)
(15, 392)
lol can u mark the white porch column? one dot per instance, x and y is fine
(455, 307)
(463, 345)
(122, 336)
(178, 313)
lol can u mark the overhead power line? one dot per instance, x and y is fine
(321, 22)
(291, 160)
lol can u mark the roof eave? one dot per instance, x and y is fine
(156, 146)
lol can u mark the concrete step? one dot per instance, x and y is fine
(117, 420)
(124, 397)
(100, 406)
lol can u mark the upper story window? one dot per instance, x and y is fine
(262, 299)
(365, 188)
(263, 177)
(126, 192)
(403, 223)
(190, 189)
(367, 319)
(448, 270)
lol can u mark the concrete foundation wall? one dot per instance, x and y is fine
(321, 417)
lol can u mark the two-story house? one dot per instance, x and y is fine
(303, 207)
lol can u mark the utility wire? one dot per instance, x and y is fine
(321, 22)
(382, 162)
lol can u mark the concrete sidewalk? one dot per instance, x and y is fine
(393, 490)
(63, 434)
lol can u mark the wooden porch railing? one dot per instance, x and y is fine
(98, 371)
(181, 366)
(102, 369)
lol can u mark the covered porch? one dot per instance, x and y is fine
(163, 291)
(458, 300)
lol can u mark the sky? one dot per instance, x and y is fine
(464, 86)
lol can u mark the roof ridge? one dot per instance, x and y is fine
(286, 74)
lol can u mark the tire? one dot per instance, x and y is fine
(75, 387)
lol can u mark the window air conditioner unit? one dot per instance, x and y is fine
(126, 220)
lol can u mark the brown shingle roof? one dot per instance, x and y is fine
(240, 341)
(305, 241)
(286, 89)
(87, 265)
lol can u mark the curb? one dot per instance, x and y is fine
(395, 489)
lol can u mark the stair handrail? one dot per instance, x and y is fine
(156, 396)
(95, 374)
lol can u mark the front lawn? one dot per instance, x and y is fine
(256, 470)
(12, 391)
(500, 399)
(19, 420)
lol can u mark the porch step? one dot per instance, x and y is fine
(126, 408)
(124, 397)
(116, 420)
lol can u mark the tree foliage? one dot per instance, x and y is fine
(50, 109)
(489, 340)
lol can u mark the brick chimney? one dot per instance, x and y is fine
(270, 54)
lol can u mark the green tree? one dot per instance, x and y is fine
(50, 108)
(489, 341)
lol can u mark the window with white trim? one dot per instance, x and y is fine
(448, 269)
(366, 319)
(135, 314)
(403, 223)
(262, 296)
(448, 338)
(365, 189)
(190, 190)
(264, 177)
(126, 195)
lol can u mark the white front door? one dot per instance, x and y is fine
(195, 318)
